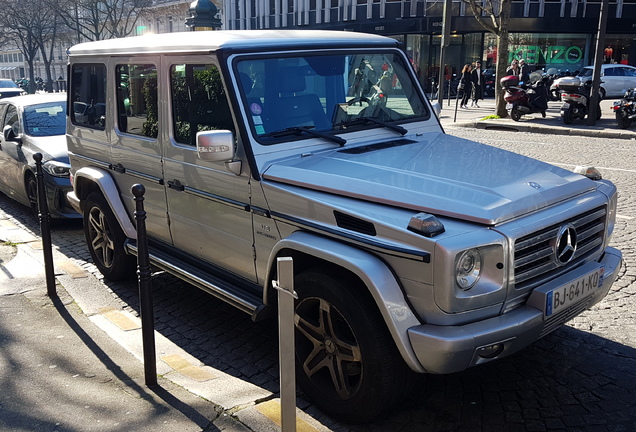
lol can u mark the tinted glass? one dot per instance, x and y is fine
(88, 93)
(199, 101)
(137, 105)
(327, 93)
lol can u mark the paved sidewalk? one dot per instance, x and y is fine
(535, 123)
(75, 363)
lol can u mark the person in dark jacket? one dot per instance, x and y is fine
(513, 69)
(465, 85)
(477, 78)
(524, 71)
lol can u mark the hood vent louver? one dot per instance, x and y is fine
(353, 223)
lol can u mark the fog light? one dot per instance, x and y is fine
(490, 351)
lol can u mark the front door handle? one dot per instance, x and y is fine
(176, 185)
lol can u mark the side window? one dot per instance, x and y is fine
(611, 72)
(137, 107)
(198, 100)
(88, 95)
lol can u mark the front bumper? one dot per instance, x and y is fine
(448, 349)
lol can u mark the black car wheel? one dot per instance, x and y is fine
(106, 239)
(32, 192)
(346, 361)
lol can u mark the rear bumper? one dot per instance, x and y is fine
(448, 349)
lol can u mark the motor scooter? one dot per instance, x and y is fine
(525, 98)
(576, 99)
(625, 109)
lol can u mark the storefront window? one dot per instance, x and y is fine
(564, 52)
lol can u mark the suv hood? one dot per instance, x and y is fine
(445, 175)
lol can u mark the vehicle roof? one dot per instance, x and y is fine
(609, 65)
(32, 99)
(208, 41)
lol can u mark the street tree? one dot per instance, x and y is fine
(19, 25)
(494, 17)
(92, 20)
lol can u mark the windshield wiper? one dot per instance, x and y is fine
(299, 130)
(366, 120)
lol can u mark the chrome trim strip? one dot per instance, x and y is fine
(99, 163)
(143, 176)
(218, 199)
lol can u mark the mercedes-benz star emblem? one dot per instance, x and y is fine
(565, 244)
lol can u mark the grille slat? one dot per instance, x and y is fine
(535, 258)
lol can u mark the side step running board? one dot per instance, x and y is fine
(247, 301)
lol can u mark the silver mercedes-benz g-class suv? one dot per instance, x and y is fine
(413, 250)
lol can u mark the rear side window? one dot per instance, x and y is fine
(137, 108)
(199, 102)
(88, 95)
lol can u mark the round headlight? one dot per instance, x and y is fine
(468, 268)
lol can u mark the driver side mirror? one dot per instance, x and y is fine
(9, 135)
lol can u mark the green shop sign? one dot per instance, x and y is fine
(556, 54)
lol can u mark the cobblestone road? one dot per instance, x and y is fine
(580, 378)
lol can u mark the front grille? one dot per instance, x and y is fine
(535, 257)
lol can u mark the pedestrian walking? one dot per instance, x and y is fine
(465, 85)
(477, 79)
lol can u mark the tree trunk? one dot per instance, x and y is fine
(502, 58)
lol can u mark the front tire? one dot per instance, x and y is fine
(32, 193)
(106, 239)
(346, 360)
(567, 116)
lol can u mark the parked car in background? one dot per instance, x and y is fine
(616, 79)
(8, 88)
(35, 124)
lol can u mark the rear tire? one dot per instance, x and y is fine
(106, 239)
(346, 360)
(567, 116)
(515, 114)
(622, 120)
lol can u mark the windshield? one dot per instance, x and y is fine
(45, 119)
(8, 84)
(328, 93)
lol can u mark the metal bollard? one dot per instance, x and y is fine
(44, 218)
(286, 296)
(145, 288)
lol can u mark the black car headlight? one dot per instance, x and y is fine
(57, 169)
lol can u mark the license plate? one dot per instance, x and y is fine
(565, 105)
(560, 298)
(508, 106)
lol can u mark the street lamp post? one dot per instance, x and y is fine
(203, 16)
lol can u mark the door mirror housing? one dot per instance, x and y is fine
(9, 135)
(215, 146)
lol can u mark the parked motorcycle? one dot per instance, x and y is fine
(576, 99)
(525, 98)
(625, 109)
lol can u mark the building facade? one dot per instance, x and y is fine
(559, 34)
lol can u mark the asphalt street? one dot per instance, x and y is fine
(75, 363)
